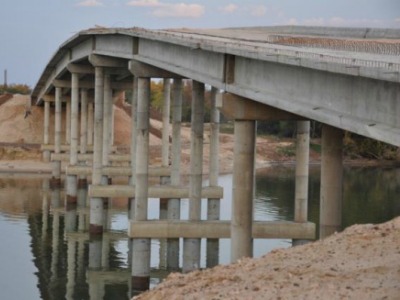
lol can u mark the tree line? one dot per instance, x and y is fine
(15, 88)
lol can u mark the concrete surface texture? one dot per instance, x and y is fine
(347, 78)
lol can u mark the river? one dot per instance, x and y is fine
(44, 254)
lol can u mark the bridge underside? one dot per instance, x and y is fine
(347, 82)
(301, 74)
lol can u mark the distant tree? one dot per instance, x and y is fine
(357, 146)
(15, 88)
(157, 94)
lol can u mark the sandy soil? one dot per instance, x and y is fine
(363, 262)
(18, 129)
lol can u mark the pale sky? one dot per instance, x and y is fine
(32, 30)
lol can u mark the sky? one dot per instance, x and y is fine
(32, 30)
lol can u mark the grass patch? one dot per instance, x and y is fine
(287, 151)
(315, 147)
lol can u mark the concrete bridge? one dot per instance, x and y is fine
(346, 78)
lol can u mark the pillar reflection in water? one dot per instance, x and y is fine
(71, 216)
(55, 209)
(45, 209)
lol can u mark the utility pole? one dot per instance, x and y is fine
(5, 79)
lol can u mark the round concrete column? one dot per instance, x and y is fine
(331, 180)
(165, 180)
(191, 247)
(82, 182)
(132, 179)
(72, 191)
(96, 204)
(90, 122)
(56, 172)
(46, 127)
(213, 207)
(67, 122)
(84, 121)
(302, 166)
(141, 247)
(107, 106)
(243, 190)
(174, 206)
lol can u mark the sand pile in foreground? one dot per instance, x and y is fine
(363, 262)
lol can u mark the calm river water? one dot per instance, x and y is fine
(44, 250)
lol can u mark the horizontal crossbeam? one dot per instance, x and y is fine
(219, 229)
(115, 171)
(169, 192)
(89, 157)
(51, 147)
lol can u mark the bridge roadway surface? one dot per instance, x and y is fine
(348, 78)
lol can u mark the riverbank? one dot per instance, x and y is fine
(362, 262)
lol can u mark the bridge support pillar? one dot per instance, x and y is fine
(90, 124)
(132, 178)
(191, 246)
(331, 180)
(96, 204)
(46, 127)
(56, 171)
(141, 247)
(302, 166)
(67, 122)
(243, 190)
(82, 183)
(213, 205)
(165, 180)
(107, 124)
(174, 205)
(72, 190)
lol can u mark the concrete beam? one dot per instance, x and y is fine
(107, 61)
(168, 192)
(64, 147)
(86, 84)
(80, 69)
(89, 157)
(89, 84)
(239, 108)
(219, 229)
(52, 98)
(140, 69)
(116, 171)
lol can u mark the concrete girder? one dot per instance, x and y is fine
(51, 98)
(143, 70)
(80, 69)
(107, 61)
(362, 105)
(89, 84)
(168, 192)
(219, 229)
(235, 107)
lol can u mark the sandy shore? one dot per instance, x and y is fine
(363, 262)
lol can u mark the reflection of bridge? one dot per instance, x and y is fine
(348, 79)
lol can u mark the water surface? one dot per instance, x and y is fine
(44, 253)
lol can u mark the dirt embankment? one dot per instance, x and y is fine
(21, 133)
(363, 262)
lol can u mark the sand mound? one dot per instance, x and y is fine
(15, 127)
(363, 262)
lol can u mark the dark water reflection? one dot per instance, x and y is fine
(370, 195)
(44, 253)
